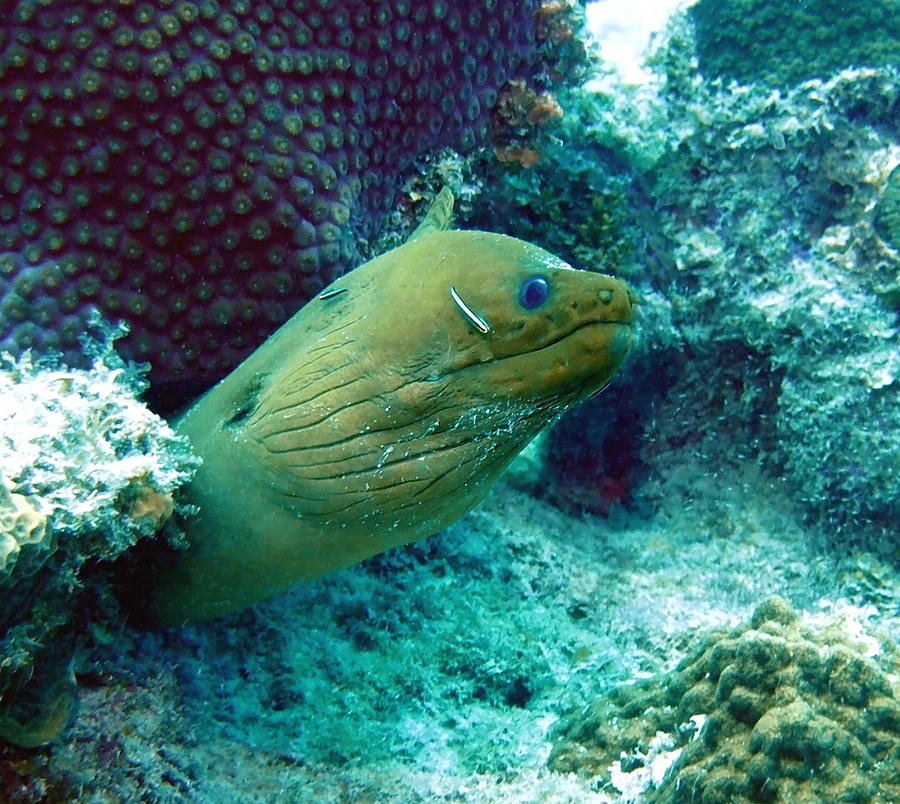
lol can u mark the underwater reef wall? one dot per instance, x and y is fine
(756, 224)
(201, 169)
(86, 471)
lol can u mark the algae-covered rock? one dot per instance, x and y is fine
(753, 224)
(775, 710)
(35, 706)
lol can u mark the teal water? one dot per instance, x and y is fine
(739, 174)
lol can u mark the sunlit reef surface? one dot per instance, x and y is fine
(748, 450)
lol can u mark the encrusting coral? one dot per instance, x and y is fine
(887, 213)
(86, 471)
(784, 42)
(771, 711)
(22, 525)
(201, 169)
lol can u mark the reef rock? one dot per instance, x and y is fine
(757, 225)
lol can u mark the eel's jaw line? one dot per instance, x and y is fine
(539, 348)
(573, 331)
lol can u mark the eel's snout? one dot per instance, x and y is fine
(617, 301)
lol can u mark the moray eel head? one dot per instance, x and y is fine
(384, 410)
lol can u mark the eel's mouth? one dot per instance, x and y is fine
(583, 361)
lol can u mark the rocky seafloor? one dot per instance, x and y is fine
(439, 672)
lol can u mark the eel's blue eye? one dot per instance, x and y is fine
(534, 292)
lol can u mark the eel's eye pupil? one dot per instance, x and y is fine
(534, 292)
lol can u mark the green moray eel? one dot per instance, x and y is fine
(384, 410)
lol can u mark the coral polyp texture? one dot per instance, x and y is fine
(201, 169)
(774, 710)
(22, 528)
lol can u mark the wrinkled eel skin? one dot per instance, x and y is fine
(381, 413)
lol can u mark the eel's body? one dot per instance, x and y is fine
(382, 411)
